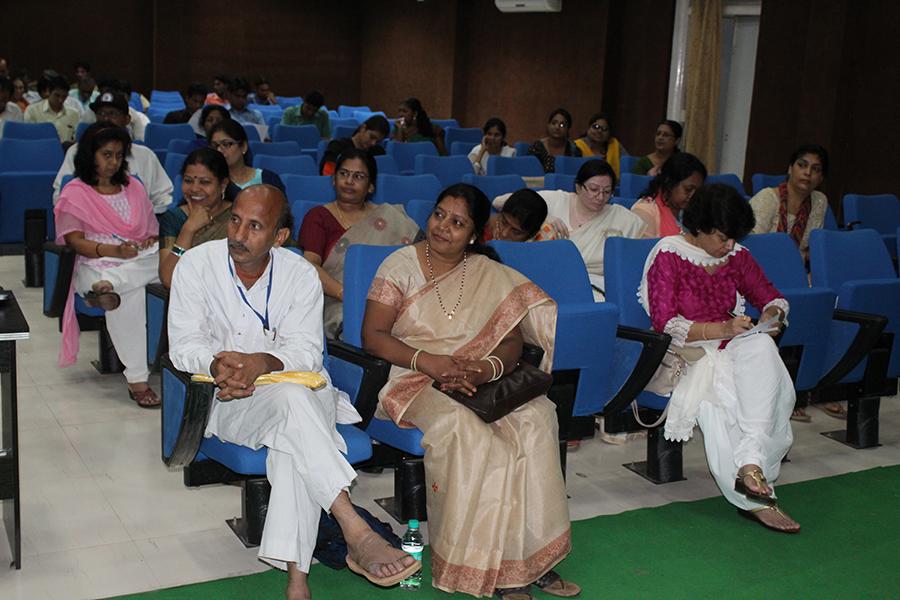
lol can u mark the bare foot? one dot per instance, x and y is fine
(752, 477)
(775, 518)
(141, 386)
(298, 586)
(102, 287)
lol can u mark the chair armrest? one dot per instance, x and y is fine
(63, 279)
(375, 376)
(186, 406)
(653, 350)
(867, 336)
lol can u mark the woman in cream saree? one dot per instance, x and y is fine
(497, 510)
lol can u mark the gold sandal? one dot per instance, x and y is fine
(751, 514)
(756, 475)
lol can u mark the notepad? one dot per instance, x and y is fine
(769, 326)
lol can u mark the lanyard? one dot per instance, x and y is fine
(262, 319)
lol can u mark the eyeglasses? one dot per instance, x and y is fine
(357, 176)
(599, 127)
(223, 145)
(596, 191)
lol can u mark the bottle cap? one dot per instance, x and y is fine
(413, 523)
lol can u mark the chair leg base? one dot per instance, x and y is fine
(408, 501)
(641, 469)
(862, 423)
(254, 505)
(840, 435)
(239, 527)
(664, 463)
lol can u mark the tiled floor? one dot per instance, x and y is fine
(102, 516)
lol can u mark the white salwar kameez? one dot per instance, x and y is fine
(305, 466)
(740, 396)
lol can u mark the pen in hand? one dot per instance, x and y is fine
(124, 241)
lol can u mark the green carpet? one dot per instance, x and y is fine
(848, 549)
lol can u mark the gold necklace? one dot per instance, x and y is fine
(437, 292)
(342, 216)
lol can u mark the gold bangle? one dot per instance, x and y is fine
(412, 363)
(703, 332)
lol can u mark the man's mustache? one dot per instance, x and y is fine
(238, 246)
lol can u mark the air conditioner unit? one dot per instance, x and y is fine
(529, 5)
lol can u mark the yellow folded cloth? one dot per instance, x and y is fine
(310, 379)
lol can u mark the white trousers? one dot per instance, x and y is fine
(127, 325)
(305, 465)
(746, 419)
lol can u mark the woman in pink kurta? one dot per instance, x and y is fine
(738, 391)
(106, 217)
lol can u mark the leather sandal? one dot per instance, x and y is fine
(834, 410)
(751, 515)
(757, 475)
(551, 583)
(519, 593)
(145, 398)
(104, 300)
(800, 415)
(367, 554)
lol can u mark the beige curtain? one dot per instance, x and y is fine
(702, 81)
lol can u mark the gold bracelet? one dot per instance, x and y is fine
(97, 250)
(703, 331)
(412, 363)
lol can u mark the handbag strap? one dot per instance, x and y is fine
(662, 417)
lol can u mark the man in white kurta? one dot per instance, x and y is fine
(245, 306)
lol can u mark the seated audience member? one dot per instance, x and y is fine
(492, 144)
(668, 134)
(587, 218)
(311, 112)
(230, 138)
(111, 108)
(738, 390)
(19, 90)
(519, 220)
(9, 111)
(443, 311)
(598, 141)
(137, 120)
(209, 116)
(219, 95)
(367, 137)
(53, 110)
(82, 69)
(661, 204)
(557, 142)
(193, 101)
(203, 214)
(327, 231)
(237, 93)
(263, 93)
(414, 125)
(796, 207)
(84, 92)
(105, 216)
(212, 331)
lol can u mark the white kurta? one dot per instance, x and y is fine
(305, 466)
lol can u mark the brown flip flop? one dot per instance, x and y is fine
(366, 556)
(145, 399)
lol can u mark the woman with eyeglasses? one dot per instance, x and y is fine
(328, 230)
(229, 138)
(668, 134)
(587, 218)
(598, 141)
(557, 142)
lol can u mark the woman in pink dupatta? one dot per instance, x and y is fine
(106, 217)
(669, 193)
(441, 310)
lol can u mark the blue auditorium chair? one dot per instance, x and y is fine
(461, 148)
(419, 210)
(445, 123)
(858, 267)
(268, 111)
(522, 148)
(173, 164)
(289, 148)
(399, 189)
(880, 212)
(79, 131)
(158, 135)
(448, 169)
(288, 101)
(387, 165)
(166, 97)
(569, 165)
(156, 298)
(761, 181)
(524, 166)
(404, 153)
(342, 131)
(134, 101)
(627, 163)
(299, 208)
(341, 122)
(471, 135)
(346, 112)
(626, 202)
(286, 165)
(184, 146)
(28, 168)
(306, 136)
(252, 133)
(559, 181)
(314, 188)
(729, 179)
(495, 185)
(15, 130)
(30, 154)
(631, 185)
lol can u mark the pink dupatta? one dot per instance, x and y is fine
(81, 208)
(667, 223)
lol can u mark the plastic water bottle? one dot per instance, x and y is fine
(412, 544)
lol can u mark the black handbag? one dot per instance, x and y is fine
(496, 399)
